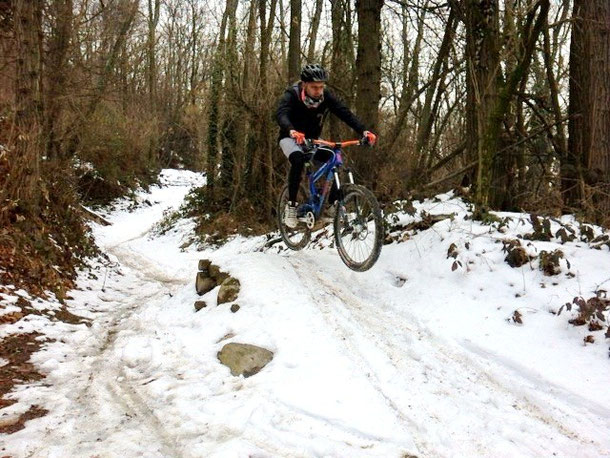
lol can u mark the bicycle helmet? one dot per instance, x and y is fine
(313, 72)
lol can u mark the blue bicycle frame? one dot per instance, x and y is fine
(330, 171)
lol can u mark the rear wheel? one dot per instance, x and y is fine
(358, 228)
(297, 238)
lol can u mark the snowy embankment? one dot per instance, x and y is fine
(421, 355)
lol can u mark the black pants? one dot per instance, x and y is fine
(297, 164)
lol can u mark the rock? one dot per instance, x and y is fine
(234, 308)
(214, 270)
(217, 274)
(229, 289)
(204, 283)
(204, 265)
(244, 359)
(200, 305)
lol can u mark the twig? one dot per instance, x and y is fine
(474, 163)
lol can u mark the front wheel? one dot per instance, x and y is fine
(358, 228)
(297, 238)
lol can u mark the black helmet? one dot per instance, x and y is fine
(313, 72)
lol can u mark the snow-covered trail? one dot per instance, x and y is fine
(359, 368)
(451, 398)
(99, 412)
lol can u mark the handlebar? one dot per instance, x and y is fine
(340, 144)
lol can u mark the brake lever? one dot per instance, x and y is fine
(364, 141)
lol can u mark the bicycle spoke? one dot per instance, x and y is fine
(358, 230)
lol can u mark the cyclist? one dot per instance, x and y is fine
(300, 115)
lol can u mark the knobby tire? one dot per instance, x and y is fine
(350, 237)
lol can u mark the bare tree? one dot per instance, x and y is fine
(411, 89)
(214, 105)
(490, 91)
(231, 114)
(341, 64)
(21, 188)
(153, 21)
(368, 70)
(313, 31)
(244, 155)
(262, 173)
(586, 169)
(57, 70)
(433, 94)
(483, 64)
(294, 46)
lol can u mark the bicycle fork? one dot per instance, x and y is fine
(350, 175)
(358, 213)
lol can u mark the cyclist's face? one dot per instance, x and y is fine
(315, 89)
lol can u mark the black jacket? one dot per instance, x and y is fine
(293, 114)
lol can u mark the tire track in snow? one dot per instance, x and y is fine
(531, 401)
(319, 299)
(144, 269)
(151, 283)
(108, 395)
(550, 389)
(380, 327)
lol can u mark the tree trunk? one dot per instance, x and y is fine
(489, 96)
(22, 187)
(313, 33)
(194, 55)
(214, 108)
(245, 155)
(229, 137)
(57, 69)
(151, 42)
(586, 170)
(368, 71)
(294, 46)
(340, 68)
(482, 51)
(500, 180)
(264, 159)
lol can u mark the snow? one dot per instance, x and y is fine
(409, 358)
